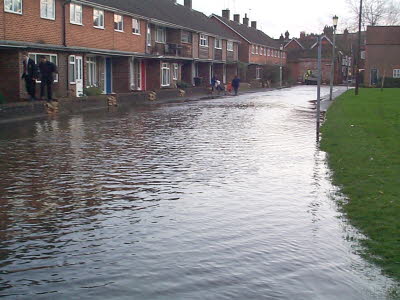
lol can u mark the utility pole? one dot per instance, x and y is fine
(359, 50)
(335, 22)
(319, 87)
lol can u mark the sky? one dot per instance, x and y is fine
(275, 17)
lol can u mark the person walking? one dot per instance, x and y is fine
(236, 84)
(29, 75)
(46, 69)
(213, 82)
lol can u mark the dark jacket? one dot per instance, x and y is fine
(236, 82)
(31, 70)
(46, 70)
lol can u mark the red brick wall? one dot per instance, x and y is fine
(244, 49)
(107, 38)
(204, 73)
(30, 27)
(231, 71)
(10, 74)
(195, 45)
(2, 16)
(299, 68)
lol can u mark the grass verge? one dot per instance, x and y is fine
(362, 137)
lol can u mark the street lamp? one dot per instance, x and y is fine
(281, 65)
(335, 22)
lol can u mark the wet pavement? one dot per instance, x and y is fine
(217, 199)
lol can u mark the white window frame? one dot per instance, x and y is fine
(175, 71)
(203, 40)
(91, 65)
(363, 55)
(265, 51)
(165, 75)
(218, 43)
(258, 72)
(74, 15)
(47, 2)
(73, 63)
(396, 73)
(119, 22)
(229, 46)
(257, 49)
(36, 59)
(135, 26)
(253, 49)
(148, 35)
(161, 35)
(99, 13)
(269, 52)
(14, 9)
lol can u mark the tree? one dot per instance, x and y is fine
(375, 12)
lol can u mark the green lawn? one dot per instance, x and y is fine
(362, 137)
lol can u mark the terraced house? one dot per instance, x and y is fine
(256, 49)
(117, 46)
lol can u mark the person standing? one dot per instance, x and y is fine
(236, 84)
(29, 75)
(213, 82)
(46, 69)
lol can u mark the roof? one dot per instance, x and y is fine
(169, 12)
(250, 34)
(383, 35)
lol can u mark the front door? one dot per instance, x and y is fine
(79, 76)
(374, 77)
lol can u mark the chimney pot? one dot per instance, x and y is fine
(188, 3)
(226, 13)
(236, 18)
(254, 24)
(246, 20)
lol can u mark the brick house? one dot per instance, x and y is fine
(382, 53)
(117, 46)
(256, 49)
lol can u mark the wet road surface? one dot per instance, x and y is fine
(218, 199)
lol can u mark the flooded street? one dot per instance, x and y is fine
(217, 199)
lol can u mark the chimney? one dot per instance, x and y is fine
(254, 24)
(188, 3)
(236, 18)
(226, 13)
(246, 20)
(302, 34)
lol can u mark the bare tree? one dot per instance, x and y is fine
(375, 12)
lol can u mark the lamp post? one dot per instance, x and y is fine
(281, 66)
(335, 22)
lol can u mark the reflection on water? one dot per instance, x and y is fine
(219, 199)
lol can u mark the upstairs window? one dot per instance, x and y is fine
(186, 37)
(135, 26)
(98, 18)
(218, 44)
(161, 35)
(265, 51)
(253, 49)
(75, 13)
(257, 49)
(148, 35)
(396, 73)
(203, 40)
(47, 9)
(269, 52)
(118, 23)
(13, 6)
(229, 46)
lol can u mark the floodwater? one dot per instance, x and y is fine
(218, 199)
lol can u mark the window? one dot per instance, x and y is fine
(148, 35)
(50, 57)
(258, 73)
(71, 69)
(75, 14)
(257, 49)
(269, 52)
(91, 71)
(186, 37)
(13, 6)
(265, 51)
(118, 23)
(135, 26)
(218, 44)
(98, 18)
(165, 75)
(161, 35)
(175, 72)
(362, 54)
(253, 49)
(203, 40)
(396, 73)
(229, 46)
(47, 9)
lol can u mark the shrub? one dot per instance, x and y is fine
(92, 91)
(182, 85)
(2, 99)
(390, 82)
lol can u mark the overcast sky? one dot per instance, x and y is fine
(275, 17)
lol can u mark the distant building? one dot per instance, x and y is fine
(382, 53)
